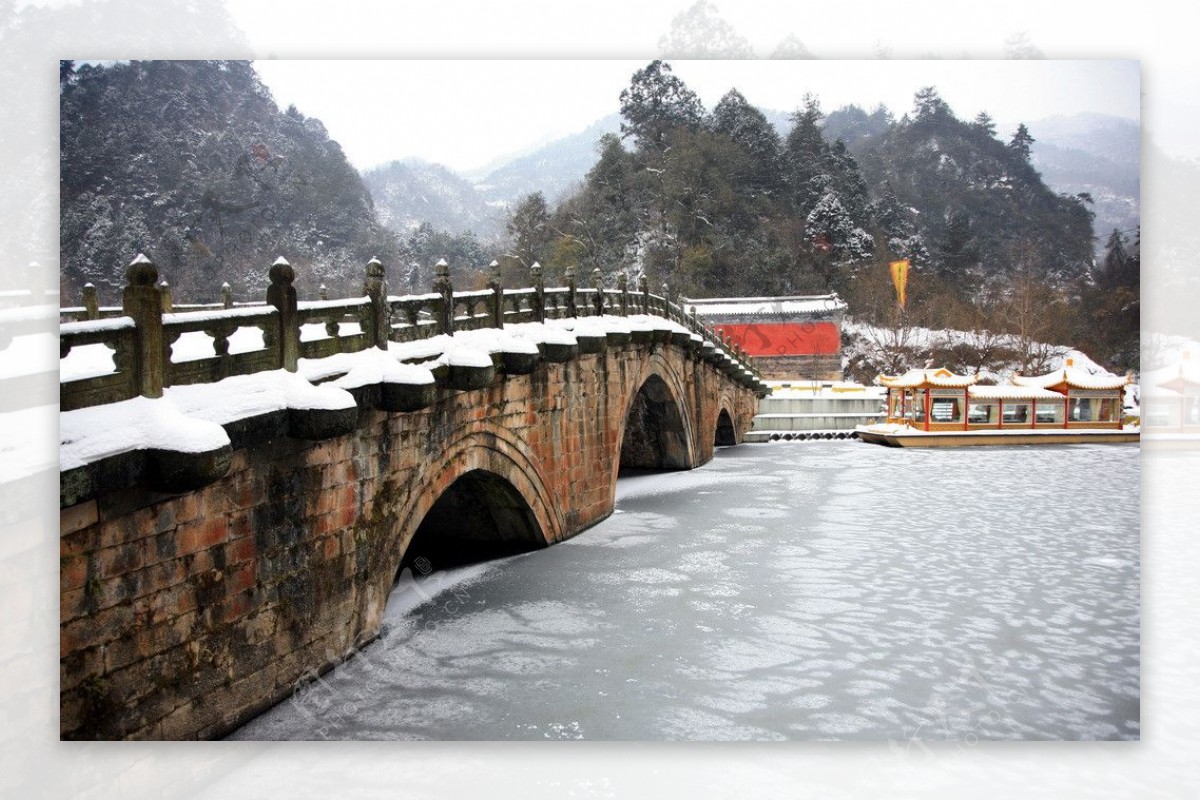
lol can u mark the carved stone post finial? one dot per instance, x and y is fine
(598, 283)
(226, 295)
(164, 292)
(142, 301)
(375, 286)
(495, 284)
(91, 302)
(282, 295)
(443, 286)
(623, 285)
(572, 309)
(539, 292)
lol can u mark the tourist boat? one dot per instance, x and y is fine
(1170, 401)
(930, 408)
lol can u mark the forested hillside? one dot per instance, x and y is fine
(192, 163)
(716, 202)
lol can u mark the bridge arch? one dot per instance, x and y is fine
(487, 478)
(724, 433)
(658, 425)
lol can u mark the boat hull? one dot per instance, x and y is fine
(960, 439)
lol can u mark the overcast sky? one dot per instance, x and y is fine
(465, 114)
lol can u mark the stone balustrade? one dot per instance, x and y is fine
(143, 330)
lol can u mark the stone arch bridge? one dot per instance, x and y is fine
(199, 589)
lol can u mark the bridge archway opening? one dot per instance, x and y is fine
(655, 434)
(725, 433)
(481, 516)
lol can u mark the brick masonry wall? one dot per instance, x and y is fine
(183, 616)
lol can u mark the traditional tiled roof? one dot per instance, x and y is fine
(1177, 377)
(799, 304)
(940, 378)
(1007, 392)
(1072, 378)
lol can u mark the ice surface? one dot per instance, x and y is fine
(980, 606)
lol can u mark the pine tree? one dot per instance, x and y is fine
(1021, 142)
(985, 123)
(791, 48)
(805, 152)
(749, 129)
(928, 104)
(528, 226)
(699, 32)
(655, 103)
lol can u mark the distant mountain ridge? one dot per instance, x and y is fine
(410, 192)
(1093, 153)
(553, 169)
(1099, 155)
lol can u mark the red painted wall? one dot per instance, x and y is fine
(785, 339)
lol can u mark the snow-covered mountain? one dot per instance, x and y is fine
(552, 170)
(1096, 154)
(408, 193)
(1092, 153)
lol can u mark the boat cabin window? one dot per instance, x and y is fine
(1081, 410)
(916, 407)
(983, 413)
(1049, 412)
(1191, 411)
(946, 410)
(1016, 413)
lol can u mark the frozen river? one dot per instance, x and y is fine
(784, 591)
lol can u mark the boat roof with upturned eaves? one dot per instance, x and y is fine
(1069, 378)
(928, 378)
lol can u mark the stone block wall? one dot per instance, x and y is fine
(826, 367)
(183, 616)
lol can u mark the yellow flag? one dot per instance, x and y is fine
(900, 279)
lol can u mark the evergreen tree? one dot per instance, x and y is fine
(528, 226)
(984, 122)
(791, 48)
(928, 105)
(749, 129)
(1021, 142)
(805, 154)
(699, 32)
(655, 103)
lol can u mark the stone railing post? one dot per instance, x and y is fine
(91, 301)
(598, 282)
(539, 293)
(623, 285)
(497, 286)
(666, 295)
(644, 288)
(375, 288)
(282, 295)
(226, 295)
(572, 311)
(164, 291)
(142, 301)
(443, 286)
(323, 292)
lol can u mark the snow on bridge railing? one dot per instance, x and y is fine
(239, 338)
